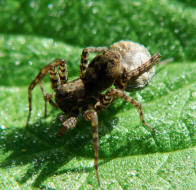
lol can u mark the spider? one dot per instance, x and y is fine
(85, 94)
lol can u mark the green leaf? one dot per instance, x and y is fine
(131, 156)
(127, 149)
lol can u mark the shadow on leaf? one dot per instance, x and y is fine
(40, 149)
(46, 155)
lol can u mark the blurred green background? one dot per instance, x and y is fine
(167, 26)
(33, 33)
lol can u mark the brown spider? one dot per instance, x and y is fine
(84, 94)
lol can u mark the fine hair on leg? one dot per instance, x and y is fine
(55, 81)
(91, 115)
(116, 93)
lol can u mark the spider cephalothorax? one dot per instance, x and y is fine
(102, 71)
(85, 94)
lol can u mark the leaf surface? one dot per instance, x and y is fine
(131, 156)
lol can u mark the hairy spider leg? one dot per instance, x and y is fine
(144, 67)
(84, 58)
(104, 101)
(116, 93)
(55, 81)
(63, 72)
(47, 98)
(54, 77)
(63, 75)
(70, 123)
(91, 115)
(121, 84)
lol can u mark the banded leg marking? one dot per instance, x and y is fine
(58, 78)
(84, 58)
(70, 123)
(144, 67)
(92, 116)
(63, 73)
(119, 93)
(105, 100)
(55, 80)
(84, 62)
(54, 77)
(121, 83)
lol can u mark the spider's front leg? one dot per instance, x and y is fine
(91, 115)
(55, 78)
(84, 57)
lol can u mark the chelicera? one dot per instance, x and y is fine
(112, 66)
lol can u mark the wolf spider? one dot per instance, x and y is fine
(84, 94)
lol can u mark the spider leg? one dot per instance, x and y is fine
(63, 72)
(47, 98)
(91, 115)
(84, 57)
(112, 94)
(70, 123)
(104, 101)
(119, 93)
(54, 77)
(121, 83)
(144, 67)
